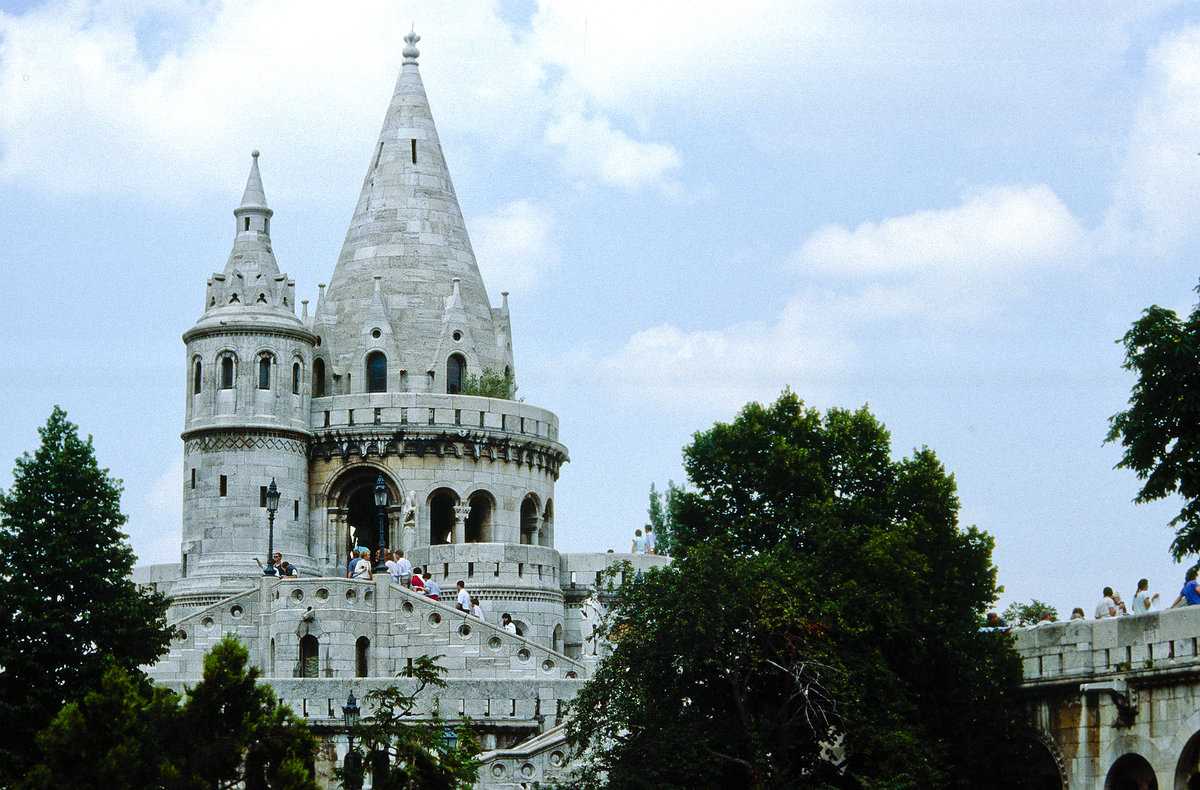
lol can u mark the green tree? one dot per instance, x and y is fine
(1159, 430)
(1030, 613)
(128, 734)
(68, 609)
(408, 753)
(661, 517)
(826, 629)
(491, 384)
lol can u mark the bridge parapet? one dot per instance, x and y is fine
(1131, 645)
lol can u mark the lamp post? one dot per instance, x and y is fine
(352, 767)
(381, 504)
(272, 506)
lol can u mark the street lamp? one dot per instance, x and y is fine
(380, 504)
(272, 506)
(352, 766)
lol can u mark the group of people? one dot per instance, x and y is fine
(1111, 605)
(279, 566)
(403, 572)
(643, 544)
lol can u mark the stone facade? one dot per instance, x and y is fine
(365, 394)
(1117, 701)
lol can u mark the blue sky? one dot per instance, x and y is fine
(949, 212)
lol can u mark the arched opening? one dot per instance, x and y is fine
(318, 378)
(441, 516)
(1045, 774)
(271, 670)
(264, 372)
(479, 521)
(1187, 770)
(295, 378)
(556, 639)
(456, 367)
(360, 656)
(196, 370)
(363, 518)
(227, 373)
(529, 520)
(546, 536)
(376, 372)
(1131, 772)
(309, 648)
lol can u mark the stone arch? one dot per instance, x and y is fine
(530, 518)
(546, 535)
(1187, 770)
(1131, 771)
(310, 650)
(1050, 772)
(350, 504)
(362, 649)
(479, 520)
(440, 505)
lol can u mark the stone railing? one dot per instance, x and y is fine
(1134, 645)
(418, 409)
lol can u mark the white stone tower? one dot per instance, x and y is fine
(247, 414)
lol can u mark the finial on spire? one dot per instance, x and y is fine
(411, 53)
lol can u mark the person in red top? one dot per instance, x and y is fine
(418, 583)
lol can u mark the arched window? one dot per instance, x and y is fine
(318, 378)
(295, 378)
(196, 369)
(456, 366)
(309, 663)
(529, 520)
(360, 656)
(227, 373)
(479, 519)
(264, 372)
(376, 372)
(441, 516)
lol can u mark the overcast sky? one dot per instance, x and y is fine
(947, 211)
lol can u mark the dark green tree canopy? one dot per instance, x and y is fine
(1160, 430)
(819, 626)
(68, 609)
(227, 733)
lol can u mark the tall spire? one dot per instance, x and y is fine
(408, 229)
(252, 240)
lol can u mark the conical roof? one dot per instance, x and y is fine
(409, 232)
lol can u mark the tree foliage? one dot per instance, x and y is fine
(68, 609)
(226, 733)
(491, 384)
(819, 627)
(1030, 613)
(409, 753)
(661, 517)
(1160, 430)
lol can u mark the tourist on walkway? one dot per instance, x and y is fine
(416, 583)
(1106, 607)
(1077, 613)
(287, 569)
(276, 561)
(464, 599)
(362, 568)
(477, 610)
(404, 568)
(639, 543)
(1190, 591)
(1142, 599)
(1116, 596)
(650, 540)
(432, 590)
(508, 624)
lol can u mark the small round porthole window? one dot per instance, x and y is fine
(375, 333)
(547, 665)
(206, 623)
(494, 643)
(435, 619)
(464, 630)
(236, 612)
(351, 595)
(523, 654)
(407, 607)
(457, 335)
(498, 770)
(181, 635)
(368, 595)
(322, 594)
(527, 770)
(297, 595)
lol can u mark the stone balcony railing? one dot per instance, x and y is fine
(1151, 644)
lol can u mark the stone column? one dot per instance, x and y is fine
(460, 522)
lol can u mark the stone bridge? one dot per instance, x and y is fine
(1117, 701)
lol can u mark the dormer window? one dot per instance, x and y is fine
(376, 372)
(264, 372)
(455, 367)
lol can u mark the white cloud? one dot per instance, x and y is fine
(1157, 196)
(592, 148)
(514, 245)
(994, 232)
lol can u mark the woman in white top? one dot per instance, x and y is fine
(362, 568)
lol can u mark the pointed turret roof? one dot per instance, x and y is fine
(408, 230)
(254, 197)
